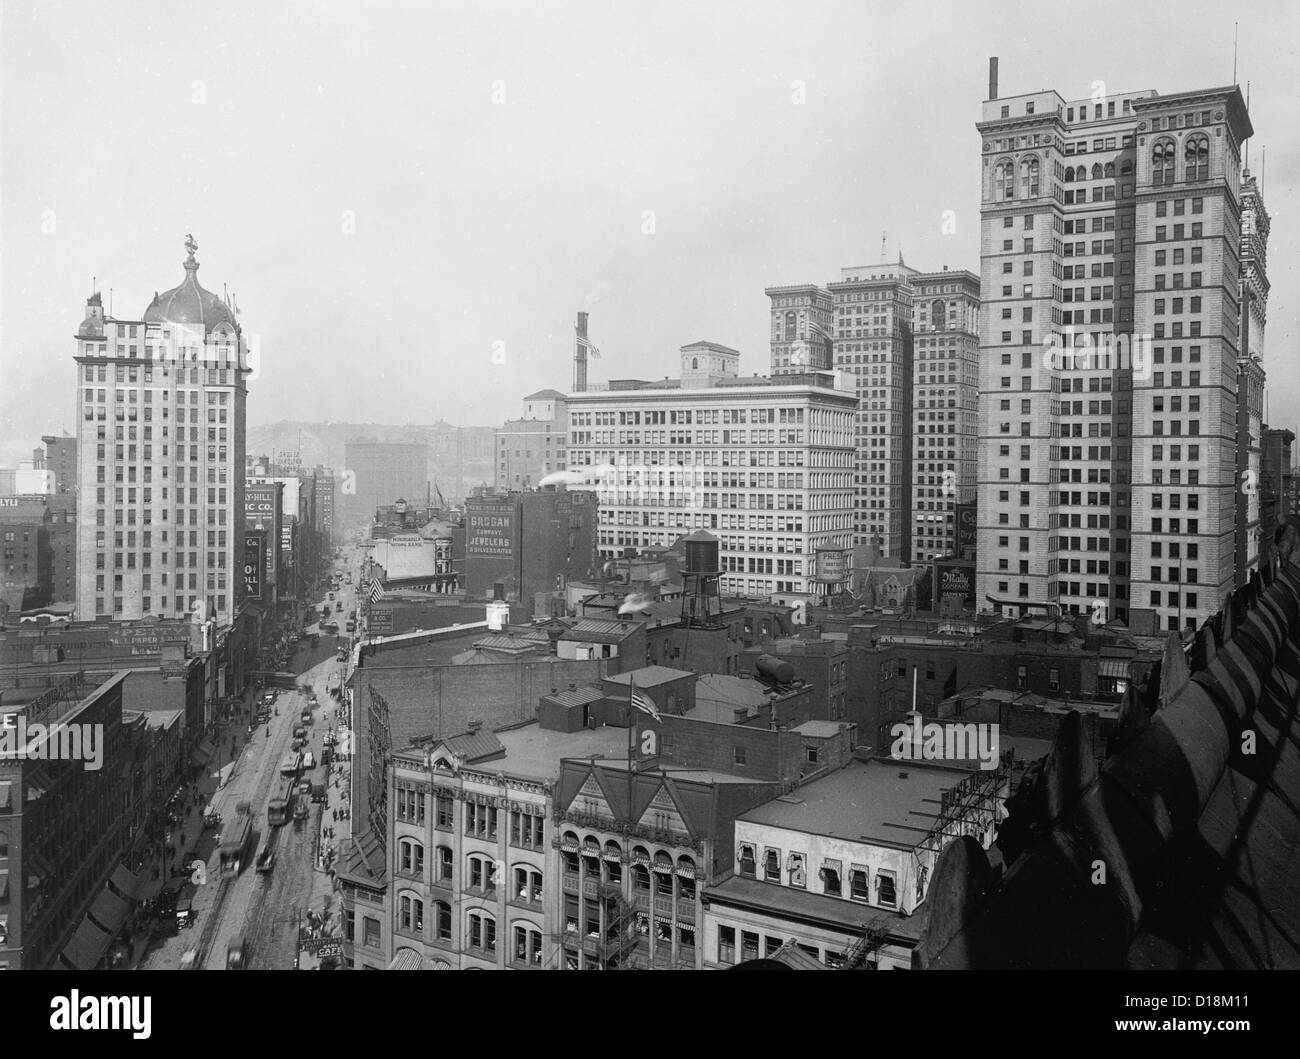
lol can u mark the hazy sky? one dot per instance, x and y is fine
(263, 127)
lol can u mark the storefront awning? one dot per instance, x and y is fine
(126, 881)
(87, 946)
(109, 911)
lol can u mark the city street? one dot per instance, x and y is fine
(268, 909)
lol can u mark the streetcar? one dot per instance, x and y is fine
(280, 807)
(235, 839)
(291, 764)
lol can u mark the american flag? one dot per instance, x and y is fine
(644, 704)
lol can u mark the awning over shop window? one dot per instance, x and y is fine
(1113, 667)
(87, 946)
(109, 911)
(126, 881)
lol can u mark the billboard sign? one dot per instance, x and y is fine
(254, 562)
(966, 530)
(832, 565)
(956, 579)
(492, 530)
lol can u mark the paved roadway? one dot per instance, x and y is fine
(265, 908)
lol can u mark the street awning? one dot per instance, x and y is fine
(87, 946)
(1113, 667)
(109, 911)
(406, 960)
(126, 881)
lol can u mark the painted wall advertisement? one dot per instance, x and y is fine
(492, 530)
(832, 565)
(254, 562)
(966, 530)
(956, 580)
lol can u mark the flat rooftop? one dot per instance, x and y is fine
(893, 803)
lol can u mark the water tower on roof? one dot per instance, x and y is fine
(701, 604)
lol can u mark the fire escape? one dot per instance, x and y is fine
(874, 934)
(620, 940)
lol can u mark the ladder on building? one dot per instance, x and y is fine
(874, 935)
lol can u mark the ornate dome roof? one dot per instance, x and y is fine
(189, 303)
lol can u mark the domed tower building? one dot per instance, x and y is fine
(161, 457)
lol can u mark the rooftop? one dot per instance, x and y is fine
(649, 676)
(887, 802)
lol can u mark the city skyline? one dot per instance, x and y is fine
(559, 191)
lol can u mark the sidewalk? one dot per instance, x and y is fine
(188, 836)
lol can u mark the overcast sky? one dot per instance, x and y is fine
(481, 225)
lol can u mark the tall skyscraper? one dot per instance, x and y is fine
(874, 310)
(1109, 353)
(916, 426)
(945, 394)
(1250, 374)
(160, 457)
(803, 317)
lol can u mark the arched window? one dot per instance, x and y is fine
(410, 913)
(483, 874)
(613, 851)
(1110, 169)
(412, 857)
(1096, 171)
(1029, 178)
(695, 363)
(1196, 154)
(1162, 162)
(528, 944)
(528, 885)
(938, 314)
(1069, 174)
(1004, 180)
(482, 934)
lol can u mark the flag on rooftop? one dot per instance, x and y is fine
(645, 704)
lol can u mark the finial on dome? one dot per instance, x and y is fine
(191, 246)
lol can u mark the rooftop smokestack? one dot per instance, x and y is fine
(993, 78)
(580, 356)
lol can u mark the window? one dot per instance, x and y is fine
(442, 919)
(527, 830)
(831, 882)
(858, 888)
(370, 932)
(1162, 162)
(445, 811)
(885, 890)
(411, 914)
(1196, 158)
(444, 864)
(483, 933)
(726, 944)
(412, 857)
(772, 865)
